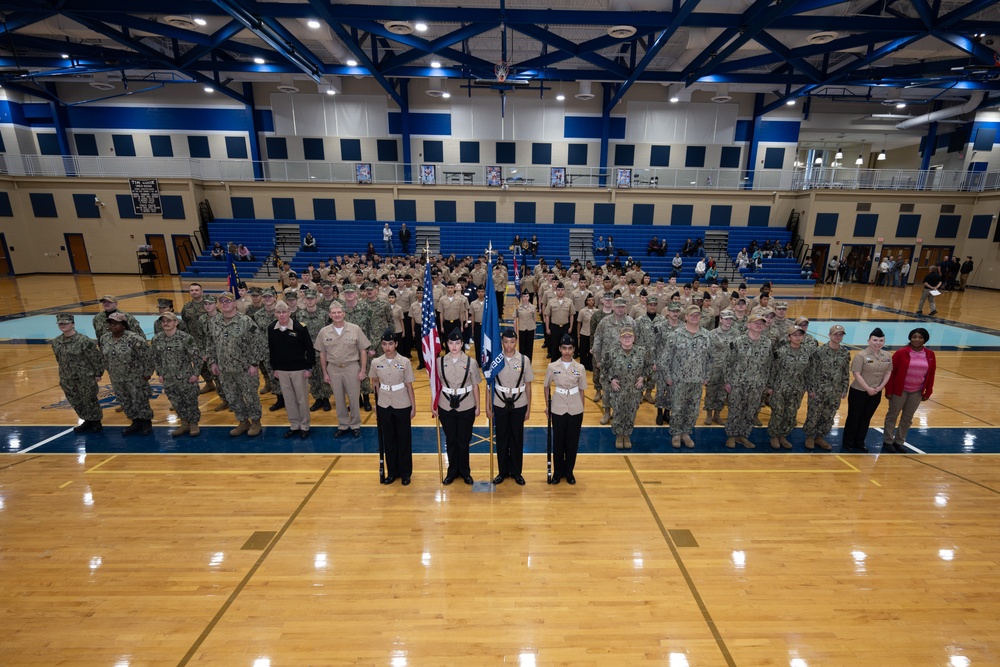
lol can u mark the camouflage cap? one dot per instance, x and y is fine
(698, 297)
(621, 302)
(117, 316)
(111, 298)
(211, 298)
(269, 291)
(256, 291)
(674, 307)
(349, 288)
(310, 294)
(225, 296)
(168, 316)
(653, 300)
(292, 294)
(692, 309)
(65, 318)
(607, 296)
(727, 314)
(757, 314)
(780, 305)
(164, 303)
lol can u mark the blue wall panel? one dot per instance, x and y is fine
(405, 210)
(433, 151)
(6, 211)
(720, 216)
(759, 216)
(350, 150)
(486, 211)
(826, 224)
(564, 213)
(126, 210)
(778, 131)
(434, 124)
(682, 215)
(908, 225)
(124, 145)
(159, 118)
(243, 207)
(980, 227)
(161, 145)
(642, 214)
(324, 209)
(589, 127)
(173, 207)
(730, 158)
(48, 144)
(541, 153)
(364, 209)
(387, 150)
(86, 144)
(577, 154)
(947, 227)
(524, 211)
(695, 157)
(774, 158)
(236, 148)
(313, 148)
(283, 208)
(445, 210)
(468, 152)
(624, 155)
(85, 206)
(604, 214)
(276, 147)
(865, 224)
(43, 204)
(659, 156)
(198, 146)
(506, 152)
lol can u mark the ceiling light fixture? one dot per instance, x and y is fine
(420, 27)
(839, 155)
(313, 23)
(790, 102)
(65, 55)
(436, 64)
(901, 105)
(352, 63)
(201, 22)
(881, 156)
(209, 89)
(860, 161)
(259, 60)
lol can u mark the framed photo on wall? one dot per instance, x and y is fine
(623, 178)
(363, 170)
(428, 174)
(558, 177)
(493, 177)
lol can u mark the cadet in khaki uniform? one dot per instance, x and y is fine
(871, 369)
(565, 384)
(689, 369)
(788, 384)
(524, 322)
(81, 366)
(747, 371)
(343, 349)
(458, 406)
(558, 317)
(827, 380)
(395, 406)
(454, 309)
(625, 366)
(177, 360)
(715, 391)
(238, 345)
(510, 408)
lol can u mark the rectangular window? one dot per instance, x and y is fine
(541, 153)
(350, 150)
(624, 155)
(506, 152)
(86, 144)
(198, 147)
(124, 145)
(277, 148)
(313, 148)
(161, 145)
(659, 156)
(468, 152)
(433, 150)
(577, 154)
(695, 157)
(388, 150)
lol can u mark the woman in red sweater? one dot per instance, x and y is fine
(912, 381)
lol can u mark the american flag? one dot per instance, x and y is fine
(517, 277)
(430, 341)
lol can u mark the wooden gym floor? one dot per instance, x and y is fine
(252, 552)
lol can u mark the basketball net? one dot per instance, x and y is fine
(501, 70)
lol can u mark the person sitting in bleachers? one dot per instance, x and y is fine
(688, 249)
(699, 248)
(309, 243)
(700, 268)
(218, 253)
(662, 250)
(243, 254)
(756, 260)
(742, 259)
(533, 245)
(677, 263)
(653, 247)
(600, 248)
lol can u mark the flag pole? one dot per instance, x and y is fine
(437, 420)
(489, 397)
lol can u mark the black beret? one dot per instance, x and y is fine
(509, 333)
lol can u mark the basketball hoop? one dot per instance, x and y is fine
(501, 70)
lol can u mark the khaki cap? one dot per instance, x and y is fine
(111, 298)
(836, 328)
(168, 316)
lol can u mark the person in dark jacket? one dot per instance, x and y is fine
(964, 273)
(404, 238)
(911, 382)
(292, 358)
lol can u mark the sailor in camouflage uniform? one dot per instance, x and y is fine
(191, 314)
(177, 360)
(625, 366)
(130, 365)
(827, 380)
(715, 391)
(201, 331)
(81, 366)
(314, 319)
(360, 313)
(109, 304)
(238, 347)
(264, 318)
(645, 337)
(688, 370)
(163, 306)
(606, 340)
(748, 367)
(788, 384)
(666, 328)
(607, 301)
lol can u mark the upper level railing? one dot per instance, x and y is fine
(514, 176)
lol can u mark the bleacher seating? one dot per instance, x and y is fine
(467, 238)
(777, 270)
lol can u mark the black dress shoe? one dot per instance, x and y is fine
(316, 405)
(341, 433)
(356, 432)
(406, 481)
(389, 480)
(553, 481)
(304, 434)
(279, 404)
(326, 405)
(291, 433)
(570, 479)
(498, 479)
(468, 480)
(447, 480)
(366, 402)
(519, 480)
(900, 449)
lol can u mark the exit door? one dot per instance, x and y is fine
(183, 251)
(6, 267)
(931, 255)
(159, 253)
(79, 261)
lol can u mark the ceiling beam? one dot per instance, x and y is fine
(276, 36)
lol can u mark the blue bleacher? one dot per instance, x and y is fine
(257, 235)
(777, 270)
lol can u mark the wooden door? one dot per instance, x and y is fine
(183, 251)
(79, 261)
(931, 255)
(820, 256)
(6, 267)
(160, 253)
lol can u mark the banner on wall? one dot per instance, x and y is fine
(145, 196)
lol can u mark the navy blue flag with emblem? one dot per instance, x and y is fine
(493, 360)
(234, 277)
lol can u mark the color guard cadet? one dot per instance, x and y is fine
(565, 385)
(558, 318)
(689, 369)
(291, 353)
(177, 360)
(81, 366)
(748, 367)
(827, 380)
(238, 346)
(510, 408)
(343, 349)
(395, 407)
(458, 406)
(130, 365)
(526, 325)
(788, 384)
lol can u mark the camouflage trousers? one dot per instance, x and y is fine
(265, 367)
(820, 413)
(784, 407)
(82, 396)
(624, 406)
(183, 396)
(744, 404)
(133, 394)
(663, 394)
(597, 378)
(241, 392)
(715, 392)
(317, 387)
(684, 406)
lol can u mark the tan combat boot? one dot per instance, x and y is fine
(731, 442)
(597, 396)
(688, 442)
(717, 418)
(708, 417)
(627, 441)
(774, 443)
(810, 442)
(784, 442)
(745, 442)
(255, 428)
(222, 407)
(675, 442)
(183, 428)
(823, 444)
(193, 429)
(648, 396)
(618, 442)
(208, 388)
(606, 418)
(240, 429)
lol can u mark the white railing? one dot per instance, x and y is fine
(515, 176)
